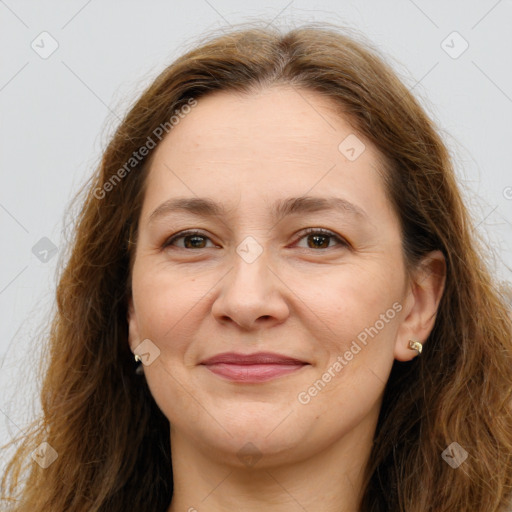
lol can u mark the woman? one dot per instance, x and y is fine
(276, 237)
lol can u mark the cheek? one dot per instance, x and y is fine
(358, 314)
(165, 301)
(346, 300)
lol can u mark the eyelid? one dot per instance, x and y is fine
(326, 232)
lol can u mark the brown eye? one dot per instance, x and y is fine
(193, 240)
(317, 238)
(320, 238)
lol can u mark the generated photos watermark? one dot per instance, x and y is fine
(305, 397)
(137, 156)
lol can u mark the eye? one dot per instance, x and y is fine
(193, 240)
(316, 238)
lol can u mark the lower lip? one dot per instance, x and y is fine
(253, 372)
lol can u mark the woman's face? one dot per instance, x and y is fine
(254, 280)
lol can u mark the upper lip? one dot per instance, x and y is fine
(256, 358)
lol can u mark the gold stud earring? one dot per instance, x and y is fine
(415, 345)
(139, 370)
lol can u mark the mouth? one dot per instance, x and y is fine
(259, 367)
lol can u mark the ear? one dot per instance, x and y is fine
(424, 293)
(133, 327)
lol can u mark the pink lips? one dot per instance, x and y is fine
(258, 367)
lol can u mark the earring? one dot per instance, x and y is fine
(139, 370)
(415, 345)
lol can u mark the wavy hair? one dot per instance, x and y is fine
(112, 440)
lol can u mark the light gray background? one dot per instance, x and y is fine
(57, 113)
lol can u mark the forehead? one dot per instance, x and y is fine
(275, 142)
(269, 124)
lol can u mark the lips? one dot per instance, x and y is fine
(248, 359)
(258, 367)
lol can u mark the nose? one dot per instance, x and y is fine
(252, 296)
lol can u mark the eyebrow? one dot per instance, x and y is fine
(206, 207)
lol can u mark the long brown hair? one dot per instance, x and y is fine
(113, 442)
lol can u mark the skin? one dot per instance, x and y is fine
(299, 299)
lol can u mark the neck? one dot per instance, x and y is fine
(329, 480)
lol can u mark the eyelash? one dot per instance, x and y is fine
(308, 231)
